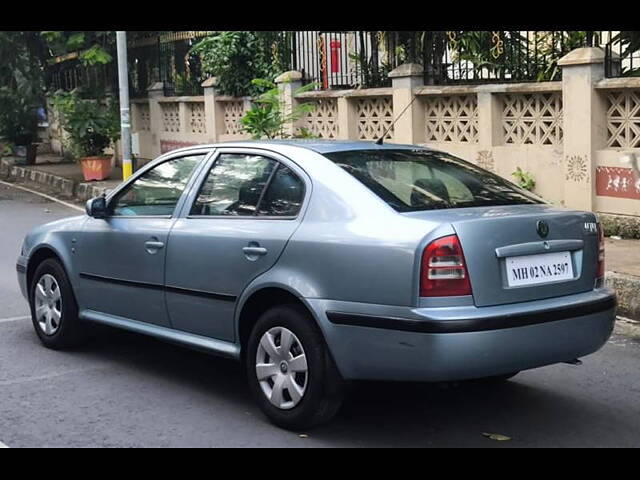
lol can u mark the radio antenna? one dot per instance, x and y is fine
(381, 139)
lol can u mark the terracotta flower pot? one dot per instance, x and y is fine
(96, 168)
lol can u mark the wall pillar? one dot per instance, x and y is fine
(490, 132)
(288, 83)
(183, 115)
(155, 92)
(213, 113)
(407, 114)
(347, 119)
(584, 124)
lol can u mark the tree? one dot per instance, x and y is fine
(237, 57)
(21, 89)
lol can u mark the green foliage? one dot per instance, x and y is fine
(237, 57)
(96, 55)
(185, 84)
(549, 53)
(92, 46)
(511, 52)
(4, 150)
(620, 225)
(266, 118)
(524, 179)
(19, 113)
(21, 89)
(91, 124)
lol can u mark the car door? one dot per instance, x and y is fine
(233, 228)
(122, 257)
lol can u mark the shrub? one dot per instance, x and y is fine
(266, 118)
(237, 57)
(524, 179)
(91, 124)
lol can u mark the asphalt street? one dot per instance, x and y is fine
(126, 390)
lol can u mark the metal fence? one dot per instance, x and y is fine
(341, 59)
(70, 73)
(496, 56)
(622, 49)
(363, 59)
(152, 58)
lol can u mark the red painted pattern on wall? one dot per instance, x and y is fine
(168, 145)
(617, 182)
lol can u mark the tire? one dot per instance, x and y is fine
(322, 385)
(64, 330)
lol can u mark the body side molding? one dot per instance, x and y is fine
(198, 342)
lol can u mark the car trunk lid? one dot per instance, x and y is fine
(508, 257)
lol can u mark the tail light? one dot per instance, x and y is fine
(600, 269)
(444, 271)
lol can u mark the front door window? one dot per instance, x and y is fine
(156, 192)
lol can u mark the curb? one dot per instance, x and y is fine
(65, 188)
(628, 328)
(627, 288)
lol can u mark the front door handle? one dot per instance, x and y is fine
(152, 246)
(254, 251)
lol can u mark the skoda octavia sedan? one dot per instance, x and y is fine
(317, 263)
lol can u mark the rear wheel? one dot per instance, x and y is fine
(290, 371)
(54, 311)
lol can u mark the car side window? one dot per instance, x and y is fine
(284, 194)
(157, 191)
(234, 185)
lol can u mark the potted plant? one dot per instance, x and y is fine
(92, 126)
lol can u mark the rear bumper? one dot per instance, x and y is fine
(378, 342)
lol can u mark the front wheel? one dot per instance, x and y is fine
(290, 370)
(54, 311)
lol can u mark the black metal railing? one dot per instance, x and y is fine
(72, 73)
(363, 59)
(345, 59)
(622, 50)
(497, 56)
(153, 58)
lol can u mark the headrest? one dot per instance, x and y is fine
(432, 185)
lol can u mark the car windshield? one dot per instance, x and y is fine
(415, 180)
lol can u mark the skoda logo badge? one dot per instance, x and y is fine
(543, 228)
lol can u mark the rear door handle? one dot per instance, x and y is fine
(254, 250)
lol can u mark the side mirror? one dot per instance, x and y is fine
(97, 207)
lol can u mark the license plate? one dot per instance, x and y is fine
(541, 268)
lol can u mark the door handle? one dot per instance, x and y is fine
(153, 246)
(254, 250)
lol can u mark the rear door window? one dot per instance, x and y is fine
(414, 180)
(234, 185)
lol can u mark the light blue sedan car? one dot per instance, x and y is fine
(316, 263)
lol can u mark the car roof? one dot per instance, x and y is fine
(317, 145)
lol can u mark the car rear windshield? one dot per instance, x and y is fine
(415, 180)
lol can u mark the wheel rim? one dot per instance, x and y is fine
(48, 303)
(281, 368)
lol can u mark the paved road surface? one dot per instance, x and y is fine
(126, 390)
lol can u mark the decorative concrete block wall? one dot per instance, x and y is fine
(570, 135)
